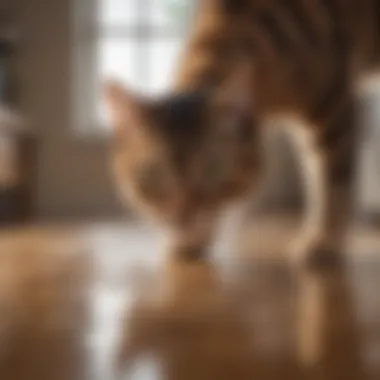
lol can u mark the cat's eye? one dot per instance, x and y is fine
(153, 179)
(246, 130)
(236, 128)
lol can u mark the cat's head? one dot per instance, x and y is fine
(187, 154)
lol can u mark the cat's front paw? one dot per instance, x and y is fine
(313, 252)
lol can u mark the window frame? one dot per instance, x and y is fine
(86, 34)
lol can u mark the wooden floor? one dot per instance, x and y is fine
(100, 302)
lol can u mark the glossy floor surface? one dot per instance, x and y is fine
(100, 302)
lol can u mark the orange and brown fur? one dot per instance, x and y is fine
(185, 157)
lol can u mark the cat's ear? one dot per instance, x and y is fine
(236, 94)
(123, 107)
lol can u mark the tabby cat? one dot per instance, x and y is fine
(185, 157)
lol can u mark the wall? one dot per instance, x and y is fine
(72, 174)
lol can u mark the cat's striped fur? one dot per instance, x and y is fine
(307, 58)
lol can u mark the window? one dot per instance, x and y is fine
(135, 41)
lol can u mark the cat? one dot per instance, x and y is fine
(186, 156)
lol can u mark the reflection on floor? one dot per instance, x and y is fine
(99, 302)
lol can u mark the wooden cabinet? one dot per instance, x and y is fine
(17, 144)
(17, 174)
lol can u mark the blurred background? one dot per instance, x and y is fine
(53, 57)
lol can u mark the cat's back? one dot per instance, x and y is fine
(305, 49)
(291, 29)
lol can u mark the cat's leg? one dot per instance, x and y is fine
(328, 159)
(231, 224)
